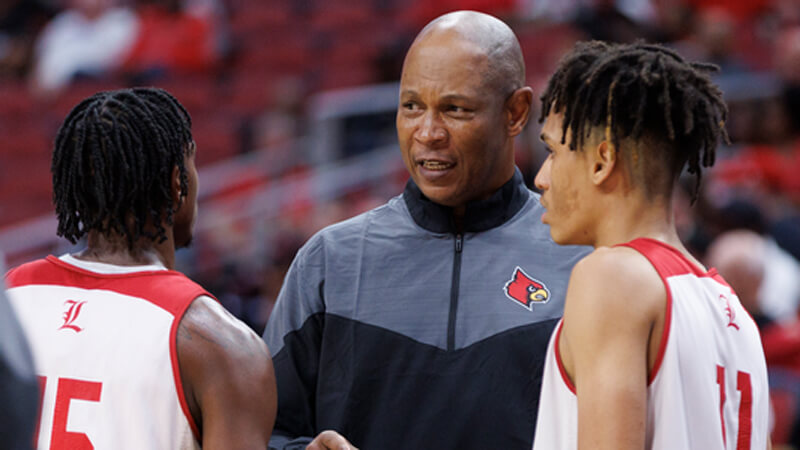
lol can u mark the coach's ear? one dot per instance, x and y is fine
(604, 160)
(518, 109)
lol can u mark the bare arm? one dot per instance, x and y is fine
(228, 378)
(613, 302)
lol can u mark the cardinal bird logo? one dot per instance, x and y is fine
(525, 290)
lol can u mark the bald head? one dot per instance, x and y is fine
(462, 101)
(504, 67)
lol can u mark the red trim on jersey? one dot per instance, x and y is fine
(158, 287)
(559, 363)
(176, 372)
(662, 347)
(669, 262)
(167, 289)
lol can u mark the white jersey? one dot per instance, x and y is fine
(103, 339)
(708, 388)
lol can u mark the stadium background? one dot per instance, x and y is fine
(293, 108)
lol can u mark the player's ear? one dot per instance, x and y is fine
(518, 109)
(177, 195)
(604, 159)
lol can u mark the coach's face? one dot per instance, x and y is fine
(451, 122)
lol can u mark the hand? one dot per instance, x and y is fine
(330, 440)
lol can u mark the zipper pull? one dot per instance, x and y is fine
(459, 243)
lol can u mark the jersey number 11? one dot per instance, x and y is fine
(744, 386)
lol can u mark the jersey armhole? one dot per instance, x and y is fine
(662, 346)
(176, 372)
(666, 261)
(559, 363)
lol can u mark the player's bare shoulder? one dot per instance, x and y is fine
(210, 340)
(225, 367)
(614, 300)
(208, 326)
(619, 280)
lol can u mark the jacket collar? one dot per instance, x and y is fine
(480, 215)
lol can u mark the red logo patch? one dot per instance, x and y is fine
(71, 315)
(525, 290)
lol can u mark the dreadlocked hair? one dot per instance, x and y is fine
(113, 161)
(646, 92)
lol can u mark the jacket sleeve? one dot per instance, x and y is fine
(280, 441)
(294, 337)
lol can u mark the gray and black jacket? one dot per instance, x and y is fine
(400, 332)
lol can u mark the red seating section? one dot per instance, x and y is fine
(326, 44)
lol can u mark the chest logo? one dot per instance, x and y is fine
(525, 290)
(729, 312)
(71, 315)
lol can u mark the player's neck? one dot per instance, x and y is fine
(635, 216)
(114, 249)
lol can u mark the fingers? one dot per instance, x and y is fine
(330, 440)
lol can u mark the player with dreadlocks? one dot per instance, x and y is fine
(654, 351)
(155, 361)
(127, 142)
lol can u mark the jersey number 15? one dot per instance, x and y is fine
(67, 389)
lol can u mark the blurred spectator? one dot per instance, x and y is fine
(171, 40)
(765, 277)
(20, 23)
(90, 38)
